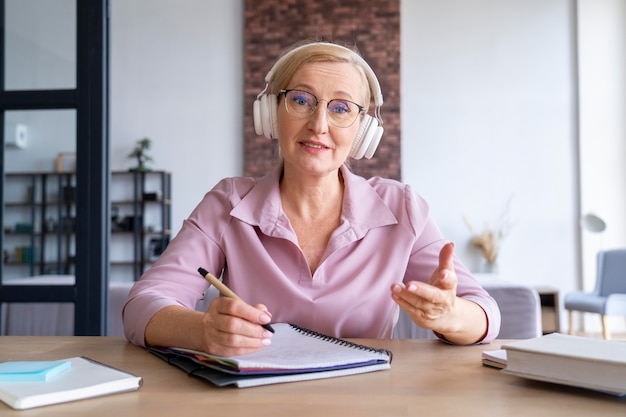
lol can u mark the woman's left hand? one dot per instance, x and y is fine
(432, 305)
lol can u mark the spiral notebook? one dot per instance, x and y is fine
(296, 354)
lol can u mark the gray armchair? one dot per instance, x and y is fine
(609, 295)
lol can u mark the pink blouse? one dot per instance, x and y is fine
(239, 231)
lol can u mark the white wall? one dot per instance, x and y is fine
(602, 65)
(176, 77)
(488, 102)
(602, 32)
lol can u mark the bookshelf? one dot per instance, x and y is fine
(140, 219)
(40, 217)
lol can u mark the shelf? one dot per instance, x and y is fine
(35, 198)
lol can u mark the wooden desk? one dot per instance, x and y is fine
(426, 378)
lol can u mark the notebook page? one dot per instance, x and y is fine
(293, 349)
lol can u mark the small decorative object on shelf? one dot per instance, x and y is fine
(153, 196)
(66, 162)
(156, 247)
(140, 154)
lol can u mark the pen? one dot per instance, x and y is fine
(225, 291)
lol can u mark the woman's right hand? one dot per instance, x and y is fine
(232, 327)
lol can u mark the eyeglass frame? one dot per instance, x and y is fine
(284, 92)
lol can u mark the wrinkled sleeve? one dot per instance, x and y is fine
(173, 279)
(425, 258)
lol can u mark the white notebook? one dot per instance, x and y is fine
(85, 378)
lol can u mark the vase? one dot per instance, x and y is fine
(140, 168)
(489, 267)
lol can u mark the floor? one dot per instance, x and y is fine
(594, 329)
(614, 336)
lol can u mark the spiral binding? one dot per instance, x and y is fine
(341, 342)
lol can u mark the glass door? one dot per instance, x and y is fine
(53, 112)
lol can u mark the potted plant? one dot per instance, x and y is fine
(140, 154)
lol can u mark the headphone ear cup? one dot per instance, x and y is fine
(264, 114)
(256, 116)
(367, 138)
(357, 151)
(272, 119)
(377, 134)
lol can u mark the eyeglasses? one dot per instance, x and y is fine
(302, 104)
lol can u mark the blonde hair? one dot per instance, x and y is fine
(307, 52)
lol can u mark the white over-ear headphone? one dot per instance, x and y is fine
(370, 132)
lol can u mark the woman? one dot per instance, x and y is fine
(310, 243)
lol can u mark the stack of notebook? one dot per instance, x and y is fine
(296, 354)
(585, 362)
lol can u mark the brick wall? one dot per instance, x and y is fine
(372, 26)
